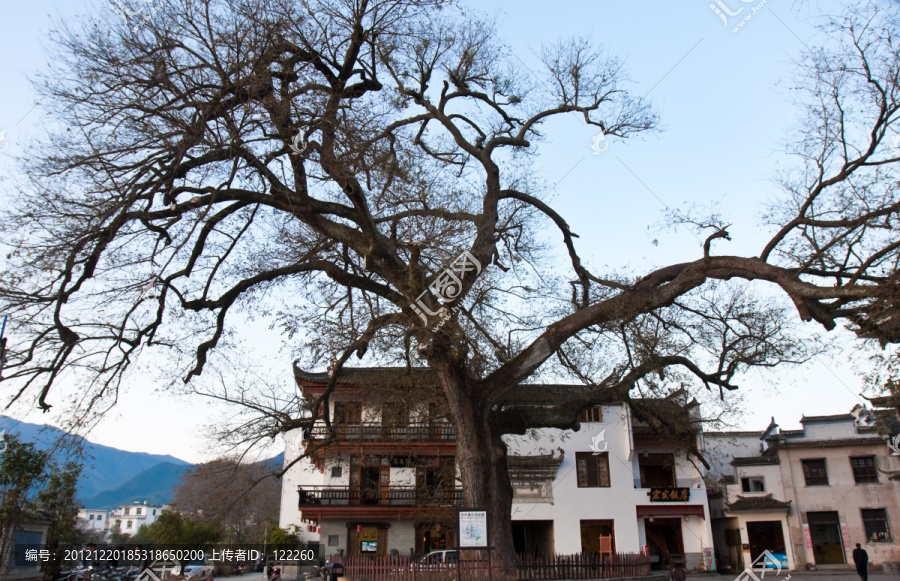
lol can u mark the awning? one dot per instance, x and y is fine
(670, 510)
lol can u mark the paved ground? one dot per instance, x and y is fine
(801, 576)
(795, 576)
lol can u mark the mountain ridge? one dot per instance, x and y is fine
(112, 477)
(105, 468)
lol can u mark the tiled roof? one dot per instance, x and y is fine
(552, 393)
(371, 376)
(885, 401)
(757, 503)
(756, 461)
(423, 377)
(735, 434)
(804, 443)
(826, 419)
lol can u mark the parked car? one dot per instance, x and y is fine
(443, 557)
(197, 570)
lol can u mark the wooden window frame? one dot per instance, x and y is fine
(592, 470)
(865, 469)
(882, 518)
(811, 480)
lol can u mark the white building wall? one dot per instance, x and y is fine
(829, 430)
(618, 502)
(93, 520)
(400, 536)
(304, 473)
(720, 448)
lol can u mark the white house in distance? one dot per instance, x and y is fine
(388, 482)
(128, 517)
(93, 520)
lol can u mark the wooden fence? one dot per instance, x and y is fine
(584, 566)
(558, 567)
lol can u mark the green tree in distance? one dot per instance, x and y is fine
(22, 474)
(173, 529)
(57, 499)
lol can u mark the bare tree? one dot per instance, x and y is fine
(356, 154)
(216, 492)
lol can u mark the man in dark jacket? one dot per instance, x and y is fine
(861, 560)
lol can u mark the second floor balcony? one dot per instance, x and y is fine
(379, 496)
(377, 432)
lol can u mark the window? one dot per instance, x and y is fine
(876, 524)
(656, 470)
(593, 469)
(334, 540)
(91, 517)
(137, 511)
(348, 412)
(592, 414)
(154, 512)
(814, 472)
(99, 517)
(126, 511)
(864, 469)
(753, 484)
(128, 525)
(118, 523)
(336, 472)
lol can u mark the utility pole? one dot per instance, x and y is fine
(3, 347)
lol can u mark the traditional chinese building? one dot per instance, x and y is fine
(807, 496)
(383, 478)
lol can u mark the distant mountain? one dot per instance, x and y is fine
(106, 468)
(154, 485)
(274, 463)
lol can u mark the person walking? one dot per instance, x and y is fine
(861, 560)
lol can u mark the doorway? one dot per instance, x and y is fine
(368, 485)
(766, 536)
(664, 540)
(592, 531)
(533, 538)
(825, 532)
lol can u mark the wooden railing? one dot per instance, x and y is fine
(437, 432)
(557, 567)
(392, 496)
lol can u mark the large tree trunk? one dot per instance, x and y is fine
(481, 458)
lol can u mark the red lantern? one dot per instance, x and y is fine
(359, 528)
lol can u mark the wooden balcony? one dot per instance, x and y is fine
(394, 496)
(437, 432)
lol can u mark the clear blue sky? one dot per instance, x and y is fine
(725, 105)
